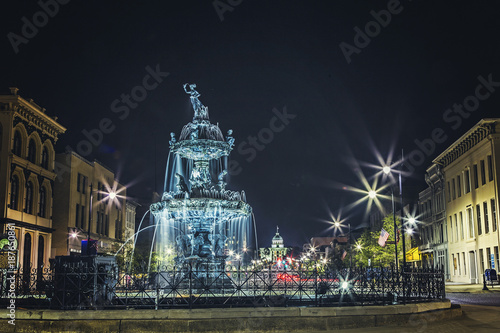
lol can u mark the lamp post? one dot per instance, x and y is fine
(338, 225)
(387, 170)
(90, 220)
(111, 195)
(350, 247)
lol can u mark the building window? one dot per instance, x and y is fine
(474, 173)
(106, 228)
(77, 216)
(483, 173)
(478, 217)
(481, 260)
(494, 215)
(449, 191)
(45, 158)
(14, 193)
(465, 267)
(453, 188)
(81, 183)
(41, 255)
(467, 181)
(490, 168)
(456, 227)
(29, 198)
(496, 257)
(451, 230)
(442, 233)
(471, 223)
(459, 186)
(486, 222)
(454, 261)
(83, 220)
(16, 149)
(27, 256)
(32, 151)
(459, 268)
(488, 257)
(43, 202)
(461, 225)
(98, 223)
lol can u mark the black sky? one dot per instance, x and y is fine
(264, 55)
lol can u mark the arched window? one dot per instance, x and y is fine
(41, 252)
(14, 193)
(27, 258)
(43, 202)
(40, 263)
(29, 198)
(17, 143)
(45, 158)
(32, 151)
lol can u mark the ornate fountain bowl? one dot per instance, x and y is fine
(201, 149)
(202, 208)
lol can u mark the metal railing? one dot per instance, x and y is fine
(105, 286)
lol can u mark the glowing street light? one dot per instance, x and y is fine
(372, 194)
(386, 169)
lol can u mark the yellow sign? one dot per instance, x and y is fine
(413, 255)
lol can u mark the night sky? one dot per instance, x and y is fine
(249, 59)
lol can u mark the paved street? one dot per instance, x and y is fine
(492, 299)
(481, 314)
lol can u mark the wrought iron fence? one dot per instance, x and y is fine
(90, 286)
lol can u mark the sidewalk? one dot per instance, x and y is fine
(453, 287)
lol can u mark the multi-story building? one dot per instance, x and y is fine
(27, 140)
(471, 173)
(84, 189)
(432, 215)
(128, 232)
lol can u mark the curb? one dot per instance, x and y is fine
(298, 319)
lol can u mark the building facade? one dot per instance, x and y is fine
(276, 252)
(27, 141)
(88, 189)
(433, 226)
(471, 172)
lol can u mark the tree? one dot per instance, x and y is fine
(370, 249)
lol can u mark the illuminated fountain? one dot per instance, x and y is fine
(198, 220)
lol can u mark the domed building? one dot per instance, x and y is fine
(276, 251)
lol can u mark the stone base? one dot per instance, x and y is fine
(276, 319)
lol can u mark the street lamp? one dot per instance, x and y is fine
(387, 170)
(337, 224)
(90, 219)
(111, 195)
